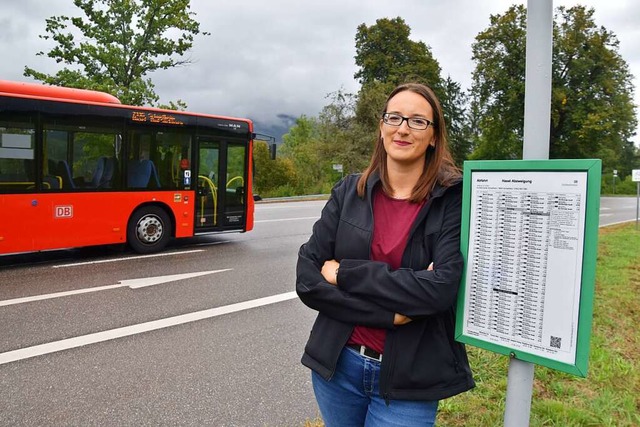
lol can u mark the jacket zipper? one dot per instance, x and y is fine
(391, 363)
(385, 361)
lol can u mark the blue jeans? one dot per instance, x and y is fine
(352, 397)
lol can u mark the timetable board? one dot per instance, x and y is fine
(528, 228)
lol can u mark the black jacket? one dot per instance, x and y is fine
(421, 361)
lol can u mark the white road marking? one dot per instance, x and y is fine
(128, 258)
(69, 343)
(604, 214)
(287, 219)
(150, 281)
(130, 283)
(57, 295)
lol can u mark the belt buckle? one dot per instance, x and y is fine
(363, 351)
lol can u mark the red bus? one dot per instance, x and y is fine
(78, 168)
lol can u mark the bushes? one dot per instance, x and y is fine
(623, 187)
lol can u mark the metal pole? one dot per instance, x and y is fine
(519, 391)
(537, 98)
(537, 121)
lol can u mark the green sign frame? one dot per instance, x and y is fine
(593, 169)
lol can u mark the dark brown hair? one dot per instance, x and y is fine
(439, 166)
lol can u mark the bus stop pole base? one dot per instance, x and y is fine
(519, 390)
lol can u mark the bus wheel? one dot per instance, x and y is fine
(149, 230)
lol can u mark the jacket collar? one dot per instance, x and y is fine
(372, 181)
(438, 190)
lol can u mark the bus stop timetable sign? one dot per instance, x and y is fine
(529, 239)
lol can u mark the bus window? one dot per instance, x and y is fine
(156, 159)
(81, 157)
(17, 167)
(171, 149)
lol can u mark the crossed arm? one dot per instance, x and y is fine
(330, 273)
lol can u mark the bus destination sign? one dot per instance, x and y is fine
(158, 118)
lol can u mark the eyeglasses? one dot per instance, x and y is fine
(417, 123)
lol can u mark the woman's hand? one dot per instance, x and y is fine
(330, 271)
(400, 319)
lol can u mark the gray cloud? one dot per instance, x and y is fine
(266, 58)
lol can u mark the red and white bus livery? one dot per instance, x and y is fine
(78, 168)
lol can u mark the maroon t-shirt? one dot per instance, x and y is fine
(392, 220)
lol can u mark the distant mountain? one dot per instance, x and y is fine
(275, 129)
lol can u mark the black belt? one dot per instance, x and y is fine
(366, 352)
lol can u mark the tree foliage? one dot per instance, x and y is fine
(385, 54)
(592, 112)
(340, 135)
(303, 146)
(271, 175)
(117, 43)
(498, 86)
(592, 99)
(454, 106)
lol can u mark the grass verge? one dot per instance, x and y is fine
(610, 395)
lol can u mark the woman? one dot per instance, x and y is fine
(382, 268)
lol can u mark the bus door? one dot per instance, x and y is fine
(220, 197)
(207, 197)
(235, 191)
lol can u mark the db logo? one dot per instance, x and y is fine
(64, 212)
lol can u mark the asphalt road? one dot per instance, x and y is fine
(84, 343)
(239, 368)
(617, 209)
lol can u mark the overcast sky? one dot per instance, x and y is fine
(271, 57)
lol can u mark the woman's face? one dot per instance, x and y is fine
(403, 145)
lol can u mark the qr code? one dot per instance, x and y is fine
(555, 342)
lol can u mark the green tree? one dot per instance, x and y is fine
(459, 129)
(302, 145)
(385, 54)
(117, 43)
(335, 124)
(592, 113)
(498, 86)
(271, 175)
(341, 137)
